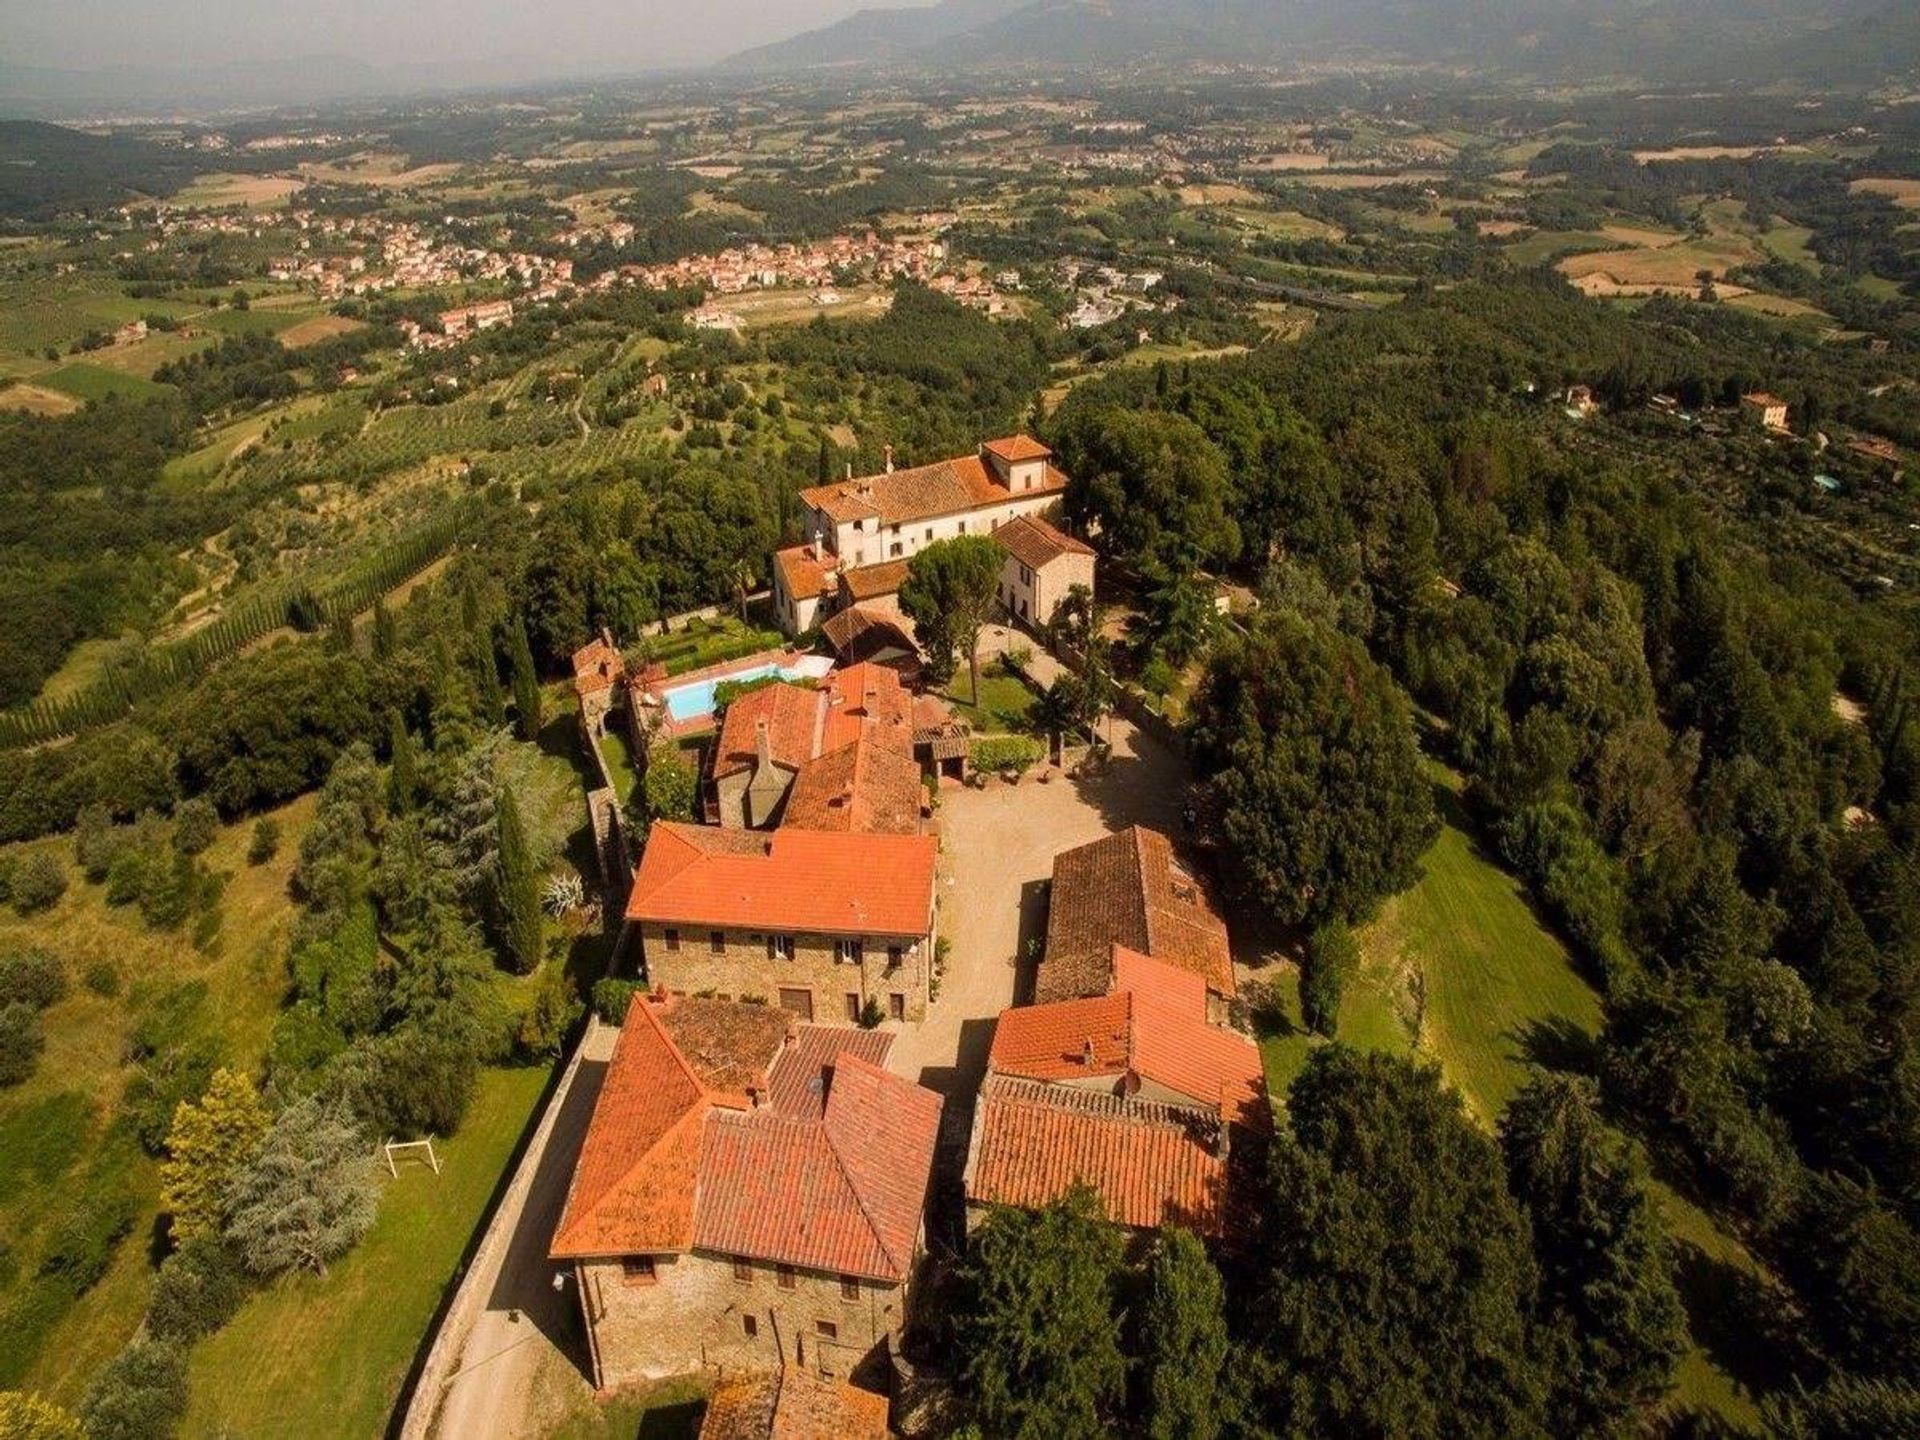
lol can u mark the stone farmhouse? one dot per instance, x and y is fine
(749, 1196)
(1135, 1093)
(1127, 889)
(816, 922)
(864, 529)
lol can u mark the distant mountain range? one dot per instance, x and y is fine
(1822, 41)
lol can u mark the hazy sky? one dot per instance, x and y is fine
(533, 37)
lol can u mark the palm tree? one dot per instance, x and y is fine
(741, 573)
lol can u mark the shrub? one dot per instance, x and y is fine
(102, 979)
(198, 1289)
(407, 1083)
(195, 825)
(551, 1010)
(32, 977)
(126, 876)
(1006, 752)
(1330, 959)
(96, 841)
(265, 841)
(38, 883)
(612, 998)
(84, 1241)
(21, 1041)
(140, 1395)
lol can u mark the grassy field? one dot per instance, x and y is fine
(1002, 705)
(222, 192)
(37, 400)
(81, 1075)
(85, 380)
(328, 1353)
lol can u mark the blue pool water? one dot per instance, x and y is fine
(695, 698)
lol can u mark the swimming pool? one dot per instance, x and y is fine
(695, 698)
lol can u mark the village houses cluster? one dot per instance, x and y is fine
(751, 1196)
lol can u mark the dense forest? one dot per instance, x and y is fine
(1642, 687)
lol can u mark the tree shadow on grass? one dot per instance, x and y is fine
(1554, 1042)
(1740, 1321)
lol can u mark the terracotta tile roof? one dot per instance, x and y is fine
(867, 700)
(792, 716)
(873, 582)
(597, 666)
(1153, 1027)
(796, 1084)
(633, 1186)
(900, 497)
(805, 573)
(808, 881)
(859, 634)
(830, 1172)
(1150, 1164)
(1035, 543)
(1018, 447)
(863, 786)
(793, 1404)
(1126, 889)
(730, 1046)
(842, 1194)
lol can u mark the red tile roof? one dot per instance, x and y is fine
(1152, 1027)
(1150, 1164)
(867, 700)
(805, 572)
(860, 634)
(597, 666)
(1126, 889)
(873, 582)
(830, 1172)
(793, 1404)
(1018, 447)
(729, 1046)
(792, 716)
(632, 1189)
(1035, 543)
(863, 786)
(946, 487)
(806, 881)
(842, 1194)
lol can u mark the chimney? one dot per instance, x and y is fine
(1086, 1053)
(849, 469)
(762, 743)
(1223, 1140)
(889, 455)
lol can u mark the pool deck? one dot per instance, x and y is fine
(699, 724)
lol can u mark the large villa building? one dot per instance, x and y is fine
(748, 1197)
(863, 529)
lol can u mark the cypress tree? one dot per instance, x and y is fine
(403, 782)
(517, 895)
(385, 638)
(341, 631)
(1184, 1336)
(526, 684)
(493, 699)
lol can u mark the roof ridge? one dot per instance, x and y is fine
(846, 1174)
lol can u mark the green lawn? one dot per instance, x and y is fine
(1002, 706)
(327, 1354)
(619, 757)
(669, 1410)
(85, 381)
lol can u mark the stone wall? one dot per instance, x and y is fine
(695, 1311)
(742, 968)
